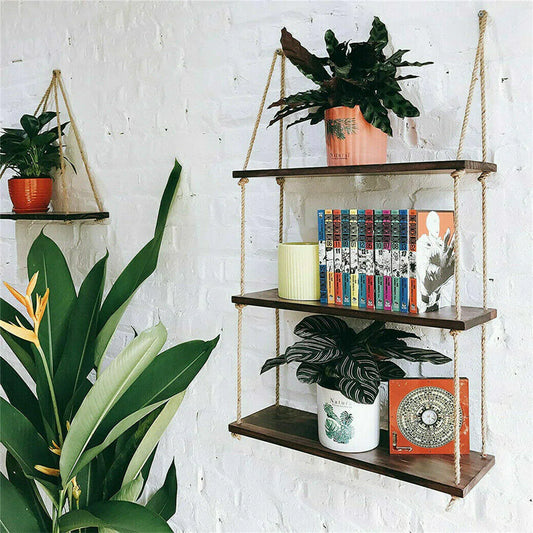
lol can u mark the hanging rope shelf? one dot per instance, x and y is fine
(54, 90)
(295, 429)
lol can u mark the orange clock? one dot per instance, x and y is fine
(421, 416)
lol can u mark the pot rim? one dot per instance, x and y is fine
(342, 107)
(34, 178)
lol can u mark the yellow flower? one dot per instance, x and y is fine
(55, 448)
(46, 470)
(36, 315)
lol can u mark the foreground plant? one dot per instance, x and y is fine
(359, 74)
(88, 444)
(336, 357)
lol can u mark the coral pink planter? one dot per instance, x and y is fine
(351, 140)
(30, 195)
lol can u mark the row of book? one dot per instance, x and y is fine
(392, 260)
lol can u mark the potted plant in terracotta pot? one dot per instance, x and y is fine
(348, 368)
(32, 154)
(357, 85)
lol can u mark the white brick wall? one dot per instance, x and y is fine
(150, 81)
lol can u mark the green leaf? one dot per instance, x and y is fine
(20, 396)
(131, 491)
(30, 124)
(152, 437)
(78, 356)
(168, 374)
(46, 258)
(90, 480)
(378, 34)
(140, 267)
(163, 501)
(28, 489)
(104, 394)
(21, 439)
(122, 516)
(15, 512)
(46, 117)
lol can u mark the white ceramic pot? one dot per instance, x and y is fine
(298, 271)
(344, 425)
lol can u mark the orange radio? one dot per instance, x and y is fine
(421, 416)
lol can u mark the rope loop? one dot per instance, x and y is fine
(279, 52)
(243, 181)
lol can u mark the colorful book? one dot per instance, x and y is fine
(387, 260)
(361, 257)
(337, 255)
(322, 263)
(435, 259)
(330, 268)
(354, 275)
(413, 233)
(404, 261)
(345, 243)
(378, 258)
(369, 241)
(395, 259)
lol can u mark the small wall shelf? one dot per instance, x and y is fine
(55, 215)
(420, 167)
(443, 318)
(298, 430)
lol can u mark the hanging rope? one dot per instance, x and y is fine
(60, 143)
(242, 184)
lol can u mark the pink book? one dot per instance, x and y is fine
(387, 260)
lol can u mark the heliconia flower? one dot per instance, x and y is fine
(48, 471)
(55, 448)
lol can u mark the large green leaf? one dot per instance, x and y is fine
(163, 501)
(140, 267)
(131, 491)
(21, 348)
(150, 440)
(78, 356)
(168, 374)
(15, 513)
(21, 439)
(378, 34)
(90, 480)
(20, 396)
(104, 394)
(46, 258)
(28, 489)
(123, 516)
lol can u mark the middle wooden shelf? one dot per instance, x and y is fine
(443, 318)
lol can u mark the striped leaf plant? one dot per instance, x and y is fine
(336, 357)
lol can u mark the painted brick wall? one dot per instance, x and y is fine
(151, 81)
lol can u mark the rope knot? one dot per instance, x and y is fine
(483, 176)
(243, 181)
(454, 333)
(279, 52)
(280, 181)
(457, 174)
(240, 306)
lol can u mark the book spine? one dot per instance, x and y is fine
(404, 262)
(337, 255)
(395, 259)
(345, 240)
(369, 238)
(361, 257)
(354, 275)
(387, 260)
(328, 217)
(322, 257)
(413, 232)
(378, 258)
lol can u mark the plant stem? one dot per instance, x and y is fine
(52, 393)
(55, 527)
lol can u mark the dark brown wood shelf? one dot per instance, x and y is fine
(419, 167)
(298, 430)
(55, 215)
(443, 318)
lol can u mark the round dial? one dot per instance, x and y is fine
(425, 417)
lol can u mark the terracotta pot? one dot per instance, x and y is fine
(351, 140)
(30, 195)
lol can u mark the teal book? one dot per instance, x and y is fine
(378, 259)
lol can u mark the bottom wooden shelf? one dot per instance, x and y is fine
(56, 215)
(298, 430)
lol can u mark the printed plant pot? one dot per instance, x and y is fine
(344, 425)
(298, 271)
(351, 140)
(30, 195)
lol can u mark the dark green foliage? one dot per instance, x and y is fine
(30, 152)
(335, 356)
(360, 74)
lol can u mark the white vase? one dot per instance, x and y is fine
(298, 271)
(344, 425)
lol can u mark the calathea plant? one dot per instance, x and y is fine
(336, 357)
(352, 74)
(79, 446)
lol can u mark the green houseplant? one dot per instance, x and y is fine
(88, 443)
(357, 85)
(348, 367)
(32, 154)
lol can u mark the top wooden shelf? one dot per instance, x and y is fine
(419, 167)
(55, 215)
